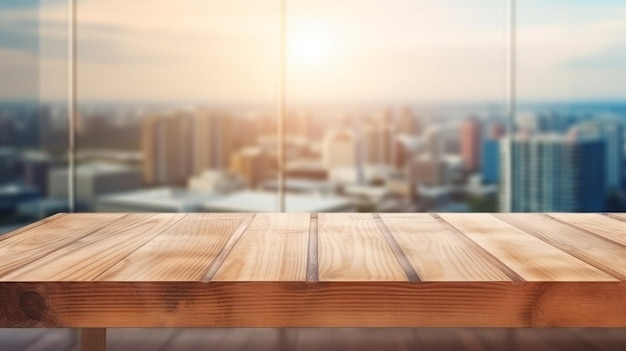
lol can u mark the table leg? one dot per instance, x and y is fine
(282, 339)
(93, 339)
(511, 339)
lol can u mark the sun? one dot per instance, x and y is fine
(309, 45)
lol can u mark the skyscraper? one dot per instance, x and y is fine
(552, 172)
(434, 142)
(213, 141)
(407, 122)
(612, 132)
(370, 142)
(340, 149)
(166, 149)
(470, 144)
(496, 130)
(251, 164)
(490, 158)
(490, 165)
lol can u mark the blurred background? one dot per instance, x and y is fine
(396, 106)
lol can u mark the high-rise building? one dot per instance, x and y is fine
(387, 130)
(93, 180)
(370, 142)
(470, 144)
(166, 146)
(425, 170)
(35, 168)
(299, 124)
(496, 130)
(450, 138)
(434, 142)
(339, 149)
(242, 131)
(612, 132)
(407, 122)
(212, 141)
(490, 153)
(251, 164)
(490, 165)
(551, 172)
(377, 138)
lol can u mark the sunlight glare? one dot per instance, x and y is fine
(309, 46)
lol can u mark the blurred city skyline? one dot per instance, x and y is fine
(391, 106)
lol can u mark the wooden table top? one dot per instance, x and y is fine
(336, 269)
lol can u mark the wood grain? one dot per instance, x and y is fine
(239, 270)
(617, 216)
(408, 269)
(352, 248)
(31, 226)
(608, 228)
(530, 257)
(230, 244)
(606, 255)
(181, 253)
(302, 304)
(93, 254)
(436, 253)
(35, 242)
(273, 248)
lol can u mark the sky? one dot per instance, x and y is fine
(349, 50)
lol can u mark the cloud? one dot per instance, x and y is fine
(215, 49)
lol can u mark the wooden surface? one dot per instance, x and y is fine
(300, 270)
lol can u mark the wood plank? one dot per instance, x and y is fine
(312, 270)
(436, 253)
(606, 255)
(305, 304)
(93, 254)
(352, 248)
(31, 226)
(93, 339)
(40, 240)
(232, 241)
(273, 248)
(604, 226)
(530, 257)
(408, 269)
(619, 216)
(182, 253)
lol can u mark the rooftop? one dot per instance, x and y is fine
(99, 168)
(253, 201)
(172, 199)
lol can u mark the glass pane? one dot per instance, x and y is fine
(33, 114)
(568, 151)
(178, 105)
(390, 102)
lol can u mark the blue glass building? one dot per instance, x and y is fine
(553, 173)
(490, 165)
